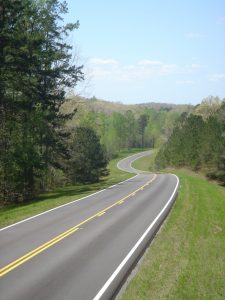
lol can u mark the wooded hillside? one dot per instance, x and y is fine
(198, 140)
(42, 139)
(47, 137)
(125, 126)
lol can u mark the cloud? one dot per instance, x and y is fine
(192, 68)
(157, 67)
(194, 35)
(112, 69)
(150, 63)
(184, 82)
(196, 66)
(102, 68)
(216, 77)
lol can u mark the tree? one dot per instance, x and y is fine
(142, 123)
(131, 129)
(87, 157)
(119, 124)
(197, 143)
(208, 107)
(35, 70)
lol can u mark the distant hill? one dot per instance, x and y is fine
(110, 107)
(166, 106)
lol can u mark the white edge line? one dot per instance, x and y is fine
(129, 157)
(119, 268)
(130, 164)
(69, 203)
(135, 170)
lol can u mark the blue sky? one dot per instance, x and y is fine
(146, 50)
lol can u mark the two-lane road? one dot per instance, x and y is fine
(126, 163)
(84, 249)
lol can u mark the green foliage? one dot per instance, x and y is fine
(35, 70)
(61, 195)
(208, 107)
(87, 157)
(123, 126)
(142, 123)
(197, 143)
(186, 259)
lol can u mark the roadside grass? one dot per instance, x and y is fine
(146, 163)
(14, 213)
(187, 259)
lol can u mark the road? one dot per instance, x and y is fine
(84, 250)
(126, 163)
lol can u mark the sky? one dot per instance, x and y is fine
(137, 51)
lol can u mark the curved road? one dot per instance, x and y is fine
(83, 250)
(126, 163)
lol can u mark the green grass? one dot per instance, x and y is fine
(145, 163)
(187, 259)
(15, 213)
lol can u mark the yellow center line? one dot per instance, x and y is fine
(99, 215)
(14, 264)
(120, 202)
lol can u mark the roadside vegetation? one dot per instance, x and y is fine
(35, 72)
(43, 131)
(55, 149)
(146, 163)
(198, 141)
(123, 126)
(14, 212)
(186, 259)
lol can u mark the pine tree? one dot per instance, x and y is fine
(35, 70)
(88, 158)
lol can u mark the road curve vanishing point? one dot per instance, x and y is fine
(84, 249)
(126, 163)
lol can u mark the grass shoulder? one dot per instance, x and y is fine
(146, 163)
(186, 260)
(60, 196)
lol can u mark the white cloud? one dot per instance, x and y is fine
(197, 66)
(216, 77)
(150, 63)
(192, 68)
(110, 69)
(170, 69)
(184, 82)
(194, 35)
(102, 68)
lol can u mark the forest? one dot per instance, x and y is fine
(124, 126)
(35, 71)
(49, 139)
(43, 144)
(198, 140)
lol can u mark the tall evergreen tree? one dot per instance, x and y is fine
(197, 143)
(88, 158)
(35, 70)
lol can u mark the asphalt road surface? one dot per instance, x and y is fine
(85, 249)
(126, 163)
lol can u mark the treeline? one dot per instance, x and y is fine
(35, 72)
(42, 144)
(131, 128)
(198, 140)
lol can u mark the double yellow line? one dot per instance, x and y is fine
(16, 263)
